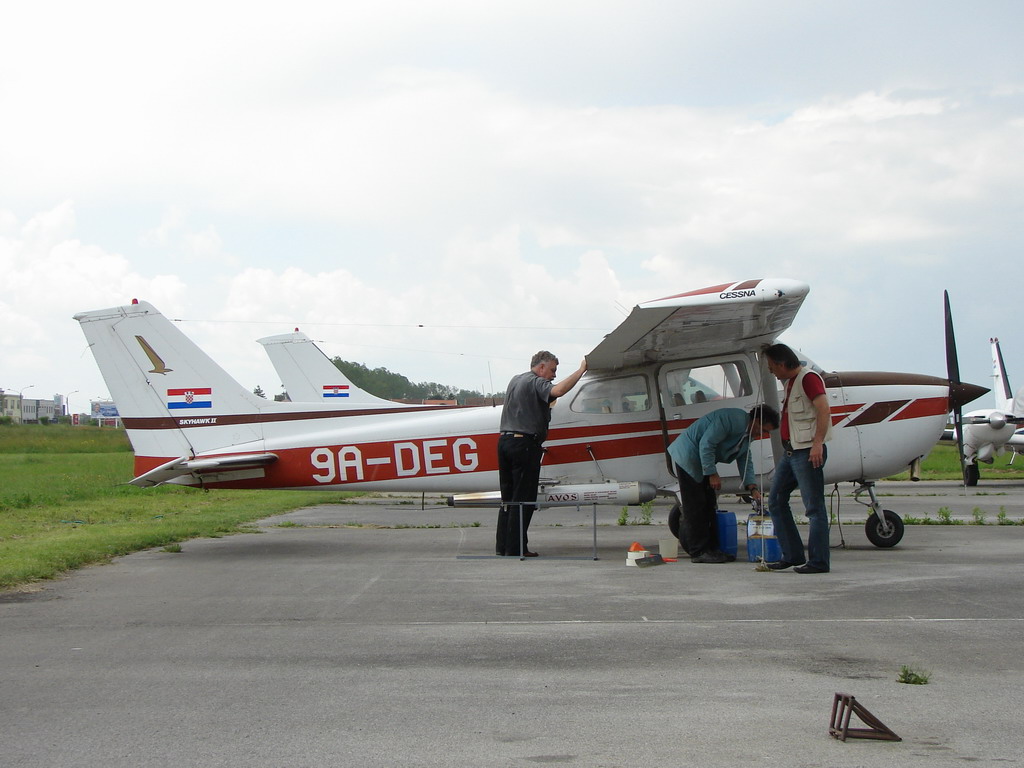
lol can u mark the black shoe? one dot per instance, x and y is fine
(810, 569)
(710, 557)
(781, 565)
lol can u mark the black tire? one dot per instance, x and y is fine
(675, 517)
(673, 520)
(880, 537)
(971, 475)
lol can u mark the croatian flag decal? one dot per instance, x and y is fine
(335, 390)
(194, 397)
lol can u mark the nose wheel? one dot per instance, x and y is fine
(884, 528)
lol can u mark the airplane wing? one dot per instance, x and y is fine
(719, 319)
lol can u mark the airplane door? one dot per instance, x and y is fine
(689, 390)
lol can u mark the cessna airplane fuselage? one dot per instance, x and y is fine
(670, 362)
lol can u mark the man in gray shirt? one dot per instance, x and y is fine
(523, 428)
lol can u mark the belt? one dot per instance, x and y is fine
(519, 434)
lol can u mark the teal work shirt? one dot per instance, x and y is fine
(718, 437)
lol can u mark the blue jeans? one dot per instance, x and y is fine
(795, 471)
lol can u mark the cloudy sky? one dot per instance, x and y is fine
(442, 188)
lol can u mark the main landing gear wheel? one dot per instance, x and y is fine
(674, 527)
(972, 474)
(887, 533)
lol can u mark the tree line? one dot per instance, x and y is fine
(394, 386)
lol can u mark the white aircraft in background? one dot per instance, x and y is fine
(988, 432)
(309, 376)
(667, 364)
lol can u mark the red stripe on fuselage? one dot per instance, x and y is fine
(923, 408)
(891, 410)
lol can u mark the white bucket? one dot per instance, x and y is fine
(632, 557)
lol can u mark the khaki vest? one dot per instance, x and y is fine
(802, 416)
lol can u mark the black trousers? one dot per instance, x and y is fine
(518, 475)
(698, 528)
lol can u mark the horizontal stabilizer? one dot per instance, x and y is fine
(186, 465)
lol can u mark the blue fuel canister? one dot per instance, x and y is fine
(727, 539)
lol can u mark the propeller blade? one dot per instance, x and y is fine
(952, 364)
(960, 393)
(953, 373)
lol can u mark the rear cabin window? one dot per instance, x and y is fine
(724, 381)
(628, 394)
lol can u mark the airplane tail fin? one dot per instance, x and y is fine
(309, 376)
(174, 400)
(1001, 386)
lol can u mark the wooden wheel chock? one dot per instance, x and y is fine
(843, 706)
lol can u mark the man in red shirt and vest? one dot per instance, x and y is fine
(806, 427)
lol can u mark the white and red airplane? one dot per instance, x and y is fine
(671, 361)
(988, 432)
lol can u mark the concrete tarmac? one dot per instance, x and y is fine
(318, 644)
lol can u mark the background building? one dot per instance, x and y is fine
(35, 411)
(10, 406)
(29, 410)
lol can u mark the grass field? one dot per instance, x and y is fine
(944, 464)
(64, 503)
(61, 438)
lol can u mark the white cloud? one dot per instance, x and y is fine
(479, 170)
(48, 275)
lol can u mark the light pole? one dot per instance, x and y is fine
(67, 402)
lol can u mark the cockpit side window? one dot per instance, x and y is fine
(722, 381)
(626, 394)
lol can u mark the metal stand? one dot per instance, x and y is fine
(844, 705)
